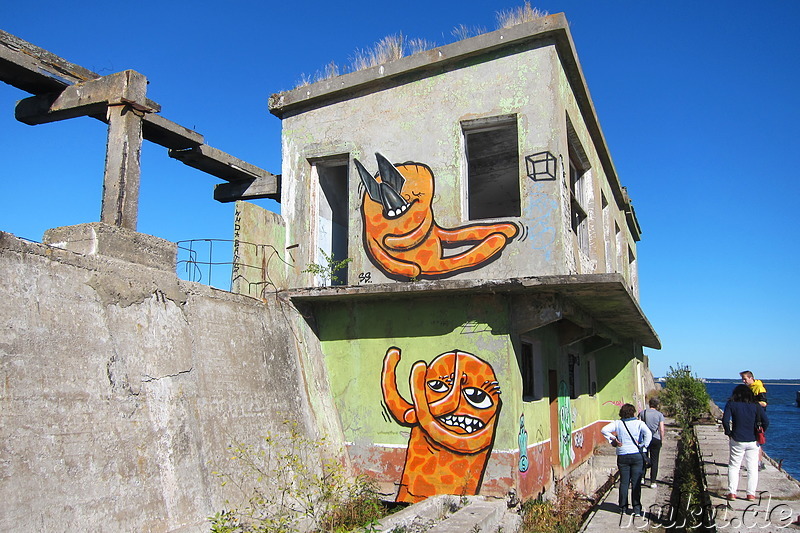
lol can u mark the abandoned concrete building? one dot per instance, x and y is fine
(485, 325)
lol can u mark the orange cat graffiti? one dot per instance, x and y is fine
(455, 402)
(400, 232)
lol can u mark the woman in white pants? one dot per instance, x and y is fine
(739, 421)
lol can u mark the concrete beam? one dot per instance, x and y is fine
(65, 90)
(595, 343)
(253, 189)
(570, 333)
(168, 134)
(218, 163)
(36, 70)
(87, 98)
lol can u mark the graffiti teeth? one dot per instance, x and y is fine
(466, 423)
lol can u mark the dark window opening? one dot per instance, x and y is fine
(530, 366)
(493, 177)
(573, 376)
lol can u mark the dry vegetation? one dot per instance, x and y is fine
(519, 15)
(564, 515)
(396, 46)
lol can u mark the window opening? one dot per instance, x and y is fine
(591, 374)
(531, 366)
(578, 167)
(493, 177)
(332, 214)
(632, 271)
(573, 376)
(608, 237)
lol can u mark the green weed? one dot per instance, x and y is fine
(328, 270)
(285, 487)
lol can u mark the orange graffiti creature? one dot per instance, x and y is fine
(400, 232)
(455, 402)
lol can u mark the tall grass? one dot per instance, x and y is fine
(519, 15)
(394, 47)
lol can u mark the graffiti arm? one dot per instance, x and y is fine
(400, 409)
(474, 256)
(476, 232)
(391, 264)
(410, 240)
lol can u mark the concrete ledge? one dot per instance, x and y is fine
(98, 238)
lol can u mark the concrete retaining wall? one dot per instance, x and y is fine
(122, 387)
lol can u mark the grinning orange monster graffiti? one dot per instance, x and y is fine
(455, 402)
(401, 235)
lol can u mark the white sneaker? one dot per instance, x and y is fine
(652, 485)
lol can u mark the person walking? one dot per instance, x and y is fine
(629, 435)
(654, 420)
(739, 422)
(760, 392)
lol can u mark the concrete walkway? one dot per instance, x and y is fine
(777, 507)
(606, 516)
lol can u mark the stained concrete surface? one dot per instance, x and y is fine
(777, 507)
(606, 516)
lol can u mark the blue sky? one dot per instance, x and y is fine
(697, 101)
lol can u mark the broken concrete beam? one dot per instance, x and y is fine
(36, 70)
(218, 163)
(97, 238)
(253, 189)
(87, 98)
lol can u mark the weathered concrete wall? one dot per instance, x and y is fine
(122, 387)
(425, 118)
(419, 118)
(260, 258)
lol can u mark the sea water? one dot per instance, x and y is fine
(783, 435)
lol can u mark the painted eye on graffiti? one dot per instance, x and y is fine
(478, 398)
(438, 386)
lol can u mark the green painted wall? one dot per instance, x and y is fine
(355, 338)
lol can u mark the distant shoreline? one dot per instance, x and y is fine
(795, 382)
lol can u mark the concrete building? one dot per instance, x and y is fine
(485, 327)
(472, 190)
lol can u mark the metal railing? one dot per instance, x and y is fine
(218, 263)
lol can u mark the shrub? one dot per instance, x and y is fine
(684, 396)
